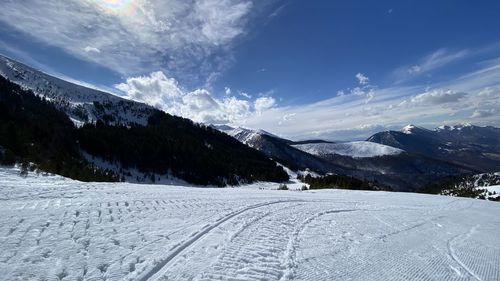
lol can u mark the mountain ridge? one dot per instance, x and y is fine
(402, 171)
(80, 103)
(477, 147)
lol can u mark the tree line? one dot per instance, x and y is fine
(341, 182)
(33, 130)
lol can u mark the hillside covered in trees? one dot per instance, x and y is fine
(341, 182)
(34, 130)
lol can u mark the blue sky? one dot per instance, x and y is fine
(300, 69)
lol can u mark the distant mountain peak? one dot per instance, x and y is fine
(454, 127)
(408, 129)
(413, 129)
(241, 133)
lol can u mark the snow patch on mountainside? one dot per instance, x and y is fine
(244, 135)
(484, 186)
(356, 149)
(407, 129)
(495, 189)
(414, 130)
(458, 127)
(133, 175)
(81, 104)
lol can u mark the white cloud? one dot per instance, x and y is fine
(90, 49)
(264, 103)
(414, 69)
(365, 91)
(236, 109)
(433, 61)
(286, 118)
(200, 105)
(155, 89)
(277, 11)
(186, 37)
(200, 100)
(369, 96)
(478, 113)
(437, 97)
(362, 79)
(246, 95)
(490, 92)
(220, 19)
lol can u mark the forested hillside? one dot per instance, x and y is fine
(32, 129)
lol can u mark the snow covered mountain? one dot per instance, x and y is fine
(356, 149)
(392, 166)
(473, 146)
(245, 135)
(81, 104)
(280, 150)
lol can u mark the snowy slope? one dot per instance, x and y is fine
(53, 228)
(244, 135)
(484, 186)
(78, 102)
(474, 147)
(494, 189)
(357, 149)
(280, 149)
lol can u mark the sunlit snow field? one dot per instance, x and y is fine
(53, 228)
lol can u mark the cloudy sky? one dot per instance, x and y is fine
(300, 69)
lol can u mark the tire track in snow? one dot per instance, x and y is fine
(408, 228)
(454, 256)
(288, 261)
(255, 252)
(181, 247)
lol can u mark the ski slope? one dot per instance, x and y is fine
(53, 228)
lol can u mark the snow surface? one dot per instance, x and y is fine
(54, 228)
(357, 149)
(493, 189)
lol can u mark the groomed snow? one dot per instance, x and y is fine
(53, 228)
(357, 149)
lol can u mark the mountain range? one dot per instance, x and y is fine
(475, 147)
(403, 160)
(396, 167)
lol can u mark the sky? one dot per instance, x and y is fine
(335, 70)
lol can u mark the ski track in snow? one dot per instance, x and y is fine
(53, 228)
